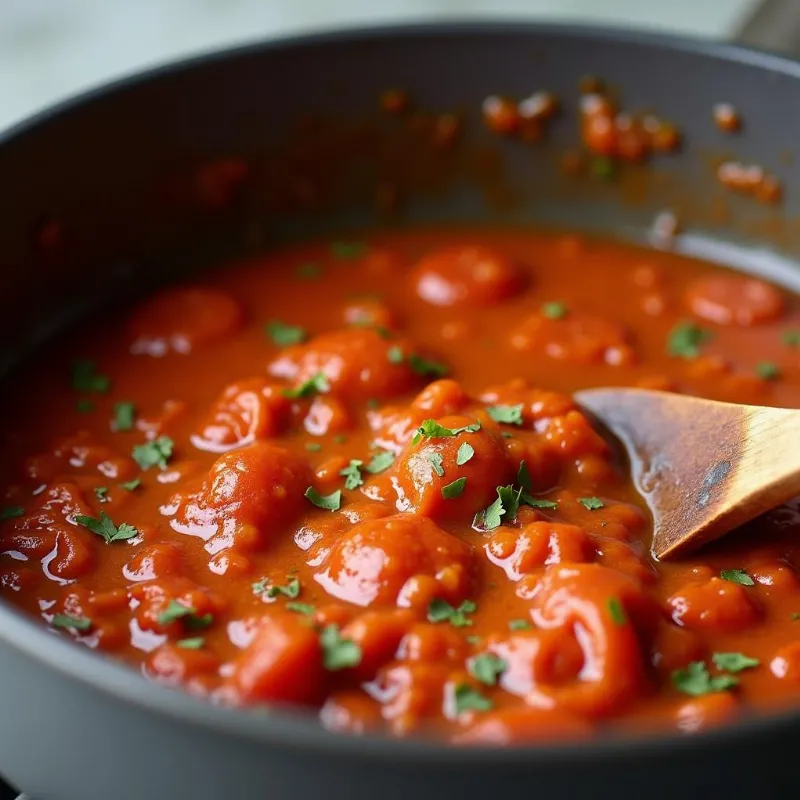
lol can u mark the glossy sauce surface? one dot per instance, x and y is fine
(350, 475)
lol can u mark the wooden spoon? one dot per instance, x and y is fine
(704, 467)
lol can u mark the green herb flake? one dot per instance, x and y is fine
(436, 460)
(768, 371)
(794, 616)
(791, 338)
(538, 502)
(284, 335)
(454, 489)
(84, 406)
(85, 378)
(124, 417)
(734, 662)
(524, 476)
(176, 610)
(348, 251)
(591, 503)
(301, 608)
(554, 310)
(737, 576)
(316, 384)
(695, 680)
(519, 625)
(352, 474)
(313, 447)
(153, 454)
(423, 366)
(603, 168)
(441, 611)
(685, 340)
(431, 429)
(487, 668)
(340, 438)
(291, 589)
(505, 508)
(308, 271)
(372, 403)
(338, 653)
(101, 493)
(380, 462)
(469, 699)
(131, 486)
(395, 354)
(617, 611)
(70, 621)
(11, 512)
(193, 643)
(105, 528)
(464, 454)
(506, 415)
(329, 502)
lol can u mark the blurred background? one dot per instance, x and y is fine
(50, 49)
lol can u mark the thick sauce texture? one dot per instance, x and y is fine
(351, 476)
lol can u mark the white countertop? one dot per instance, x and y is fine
(50, 49)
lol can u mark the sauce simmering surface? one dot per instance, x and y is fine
(350, 475)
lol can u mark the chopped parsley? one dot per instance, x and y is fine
(507, 415)
(85, 378)
(176, 610)
(372, 403)
(301, 608)
(734, 662)
(505, 507)
(685, 340)
(283, 334)
(695, 680)
(602, 168)
(431, 429)
(441, 611)
(464, 454)
(768, 371)
(737, 576)
(454, 489)
(395, 354)
(308, 271)
(70, 621)
(101, 493)
(124, 416)
(794, 616)
(352, 474)
(153, 454)
(316, 384)
(84, 406)
(330, 502)
(380, 462)
(469, 699)
(538, 502)
(554, 310)
(338, 653)
(131, 486)
(11, 512)
(193, 643)
(347, 251)
(591, 503)
(106, 528)
(791, 338)
(435, 460)
(423, 366)
(519, 625)
(487, 668)
(617, 611)
(313, 447)
(291, 589)
(524, 476)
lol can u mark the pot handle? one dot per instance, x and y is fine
(773, 25)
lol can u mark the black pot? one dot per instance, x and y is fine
(79, 727)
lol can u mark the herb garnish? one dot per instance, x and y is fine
(106, 528)
(454, 489)
(380, 462)
(316, 384)
(734, 662)
(737, 576)
(685, 340)
(464, 454)
(791, 338)
(193, 643)
(695, 680)
(153, 454)
(338, 653)
(423, 366)
(554, 310)
(435, 460)
(301, 608)
(519, 625)
(131, 486)
(508, 415)
(768, 371)
(101, 493)
(487, 668)
(330, 502)
(431, 429)
(347, 251)
(283, 334)
(591, 503)
(469, 699)
(176, 610)
(124, 416)
(352, 474)
(70, 621)
(11, 512)
(441, 611)
(617, 611)
(86, 379)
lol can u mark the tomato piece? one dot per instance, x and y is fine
(734, 300)
(180, 319)
(521, 725)
(718, 606)
(466, 276)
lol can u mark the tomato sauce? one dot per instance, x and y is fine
(350, 475)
